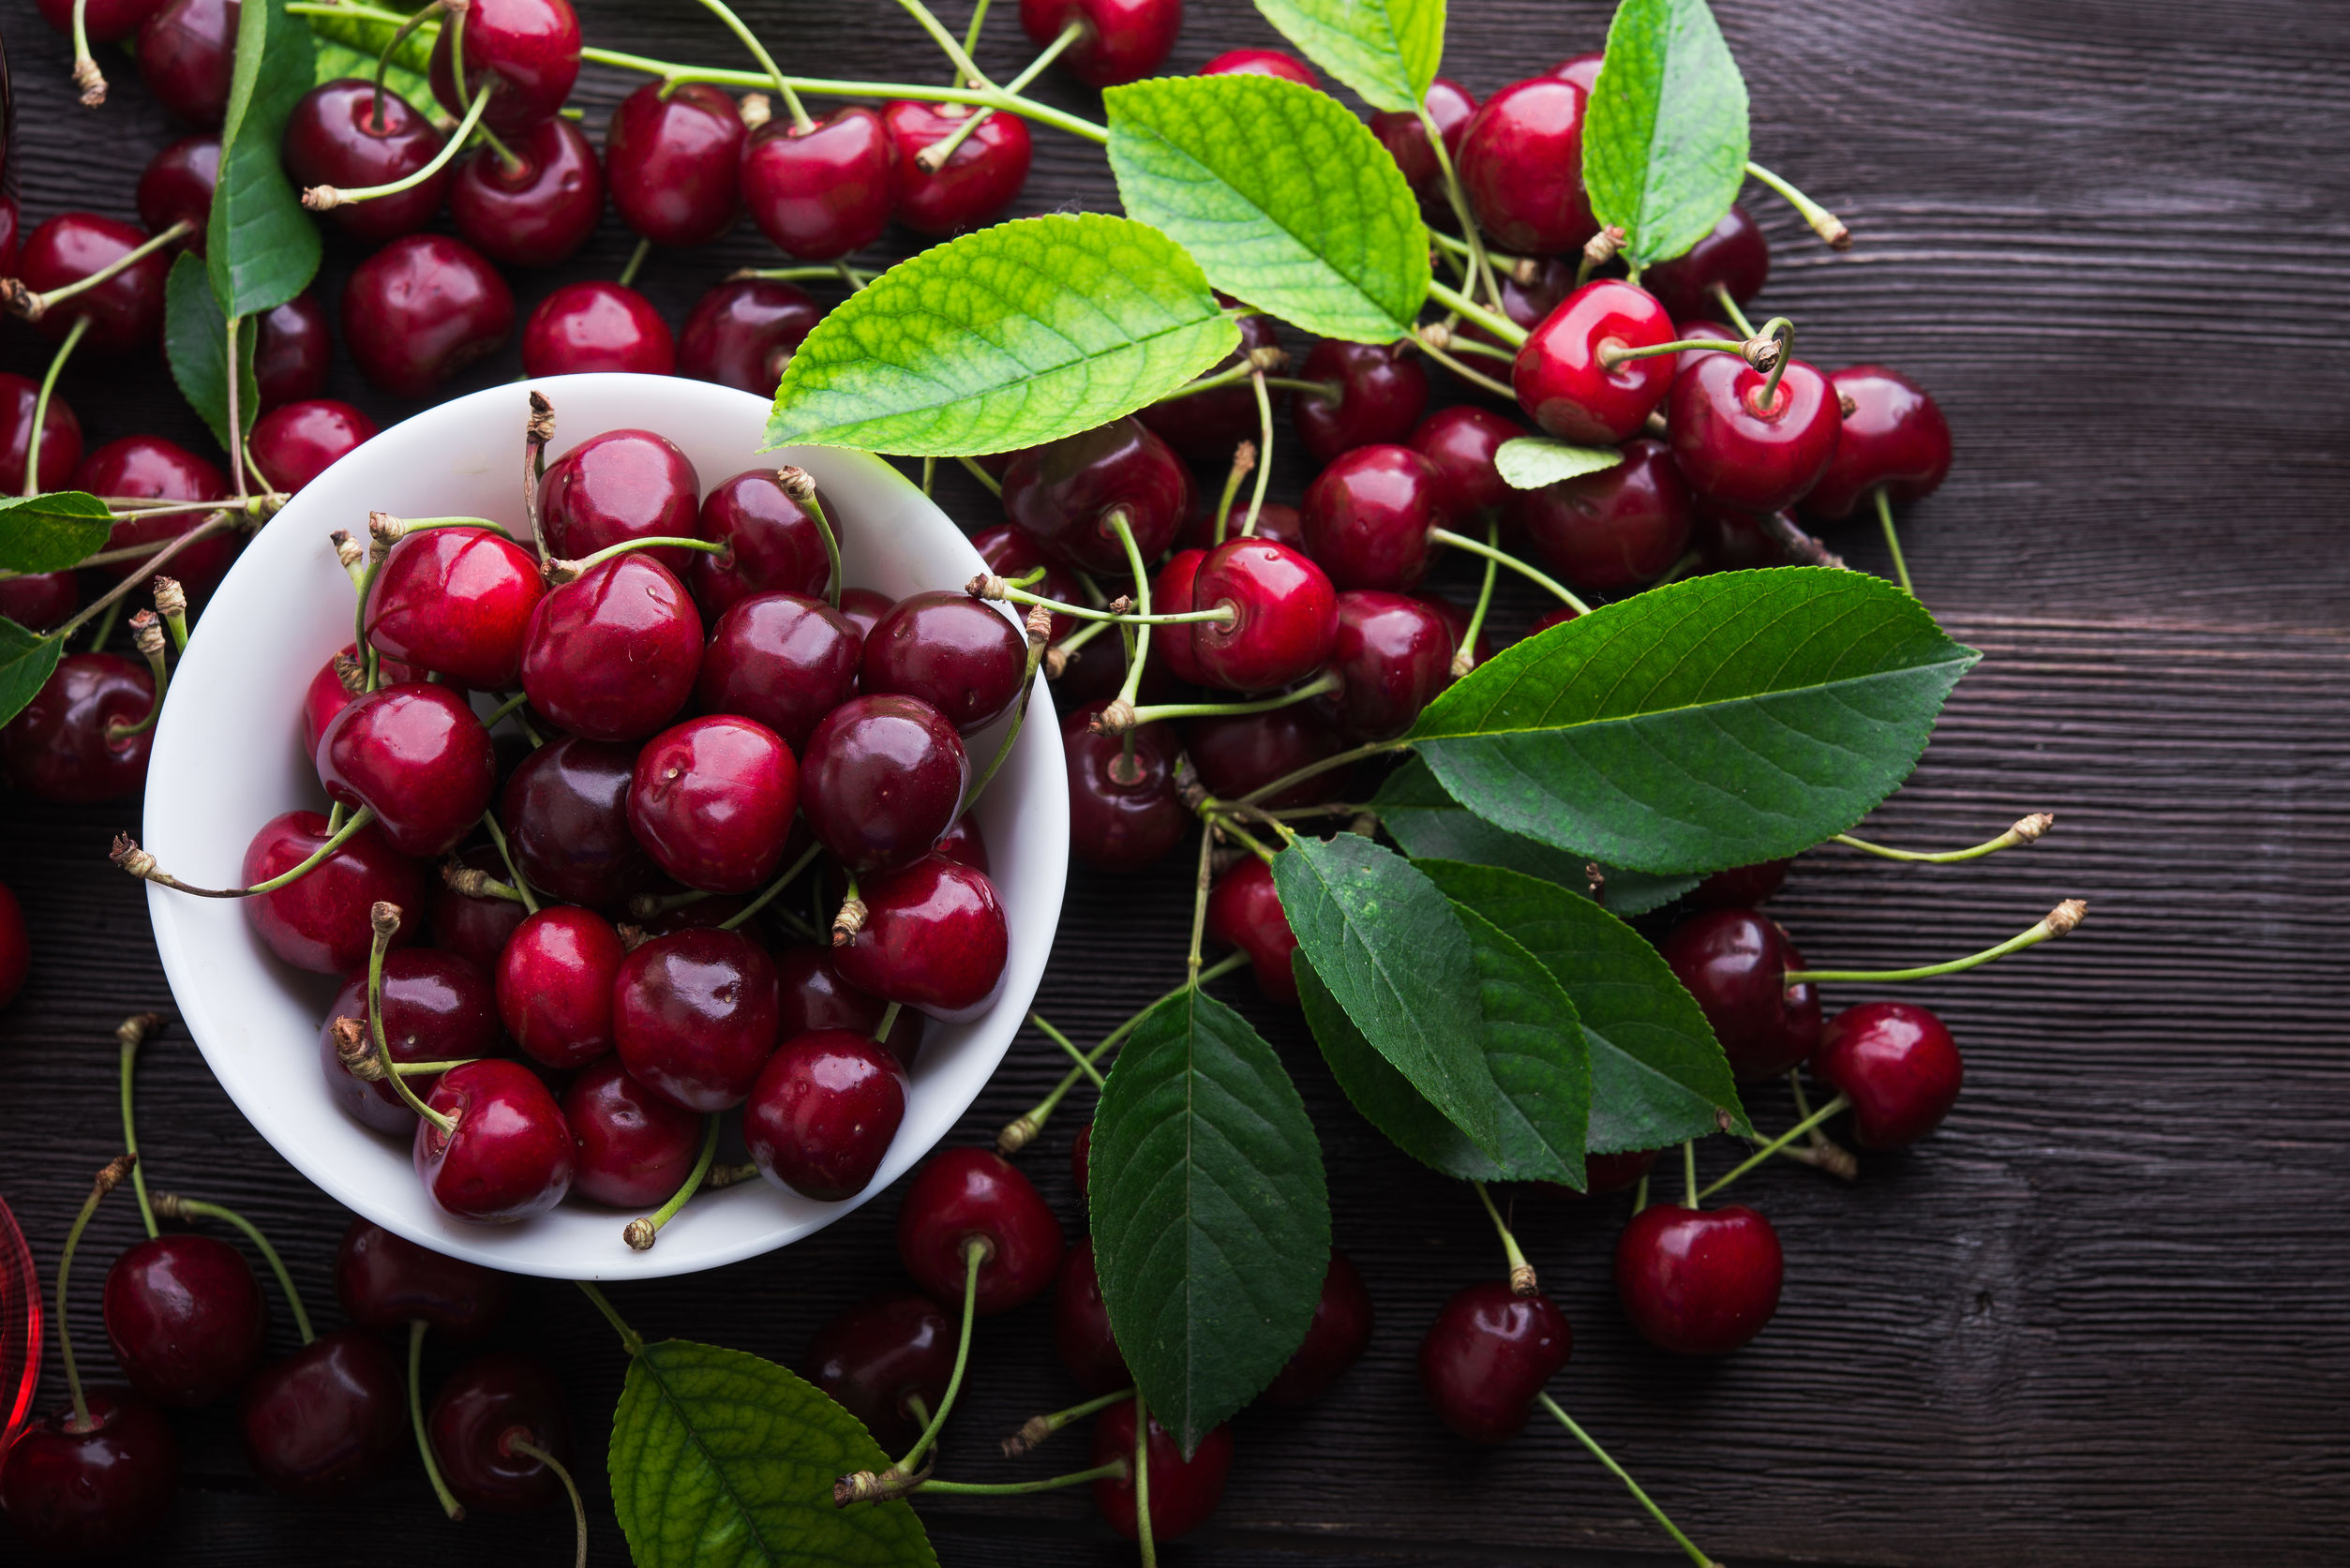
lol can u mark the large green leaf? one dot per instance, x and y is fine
(1212, 1221)
(720, 1460)
(1657, 1075)
(1393, 952)
(1737, 718)
(52, 532)
(1388, 51)
(26, 662)
(195, 345)
(1016, 335)
(1665, 136)
(262, 248)
(1288, 200)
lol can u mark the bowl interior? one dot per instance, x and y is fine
(228, 756)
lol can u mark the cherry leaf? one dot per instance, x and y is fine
(262, 248)
(1388, 51)
(195, 345)
(26, 662)
(1665, 136)
(52, 532)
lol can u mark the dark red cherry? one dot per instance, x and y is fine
(783, 659)
(1459, 444)
(1368, 517)
(292, 346)
(712, 799)
(1405, 137)
(293, 444)
(419, 757)
(176, 186)
(1895, 437)
(148, 468)
(1699, 1282)
(630, 1148)
(326, 696)
(1697, 329)
(508, 1157)
(1456, 621)
(340, 134)
(474, 927)
(1064, 495)
(612, 655)
(964, 843)
(773, 542)
(1285, 615)
(821, 193)
(934, 940)
(618, 485)
(1280, 524)
(326, 1418)
(57, 747)
(1262, 62)
(1382, 391)
(1184, 1492)
(385, 1281)
(1741, 887)
(968, 1195)
(1582, 69)
(1527, 301)
(555, 986)
(1734, 255)
(1205, 427)
(1734, 450)
(883, 776)
(1522, 163)
(484, 1407)
(881, 1357)
(437, 1007)
(823, 1114)
(1729, 540)
(1614, 529)
(186, 52)
(1124, 813)
(961, 655)
(421, 309)
(1616, 1172)
(980, 178)
(1010, 553)
(526, 53)
(124, 312)
(61, 436)
(1080, 1156)
(1393, 654)
(694, 1015)
(1898, 1066)
(864, 607)
(1080, 1326)
(186, 1317)
(1733, 962)
(1124, 40)
(103, 21)
(673, 157)
(565, 811)
(1333, 1341)
(41, 601)
(743, 331)
(1171, 594)
(1237, 755)
(1243, 911)
(596, 326)
(320, 921)
(536, 210)
(74, 1492)
(1560, 377)
(815, 996)
(1488, 1355)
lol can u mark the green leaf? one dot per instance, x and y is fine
(1392, 951)
(26, 662)
(1211, 1220)
(1736, 718)
(1287, 199)
(1530, 462)
(1388, 51)
(1431, 824)
(262, 248)
(720, 1460)
(195, 342)
(335, 61)
(1664, 136)
(1019, 334)
(357, 41)
(1657, 1075)
(52, 532)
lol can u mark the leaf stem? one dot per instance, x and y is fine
(1893, 539)
(1021, 1130)
(633, 1342)
(1142, 1483)
(975, 1252)
(1500, 326)
(1203, 880)
(40, 403)
(2058, 922)
(1763, 1152)
(449, 1504)
(1631, 1485)
(1494, 553)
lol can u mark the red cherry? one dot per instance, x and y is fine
(1170, 590)
(85, 1492)
(186, 1317)
(61, 436)
(821, 193)
(338, 135)
(1285, 615)
(1262, 62)
(961, 655)
(525, 52)
(1393, 654)
(1614, 529)
(508, 1157)
(1522, 163)
(1382, 394)
(1582, 69)
(695, 1016)
(40, 601)
(612, 655)
(186, 52)
(1368, 517)
(1238, 755)
(1617, 1173)
(1459, 444)
(1739, 453)
(177, 184)
(1010, 553)
(417, 755)
(16, 948)
(565, 810)
(1734, 962)
(618, 485)
(148, 468)
(421, 309)
(1124, 814)
(743, 331)
(980, 178)
(555, 986)
(384, 1281)
(1700, 329)
(57, 747)
(596, 326)
(884, 776)
(437, 1007)
(1895, 437)
(1561, 380)
(1280, 524)
(815, 996)
(536, 210)
(865, 607)
(1699, 1282)
(773, 542)
(1741, 887)
(1184, 1492)
(935, 938)
(1243, 911)
(673, 157)
(1124, 40)
(320, 921)
(1405, 137)
(104, 20)
(712, 799)
(1488, 1355)
(1080, 1327)
(1729, 540)
(476, 928)
(1335, 1340)
(1898, 1066)
(1734, 255)
(481, 1412)
(1456, 621)
(325, 1418)
(1064, 493)
(823, 1114)
(290, 349)
(294, 444)
(783, 659)
(630, 1148)
(124, 312)
(882, 1356)
(968, 1195)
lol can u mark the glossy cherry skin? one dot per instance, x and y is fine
(1170, 587)
(1582, 69)
(326, 1418)
(630, 1148)
(969, 1194)
(864, 607)
(437, 1007)
(508, 1157)
(1124, 40)
(177, 184)
(618, 485)
(40, 601)
(421, 309)
(1898, 1066)
(73, 1493)
(57, 748)
(1262, 62)
(124, 312)
(612, 655)
(1335, 1340)
(1280, 524)
(16, 952)
(1205, 427)
(1405, 137)
(773, 544)
(1895, 437)
(1618, 1172)
(1488, 1355)
(980, 178)
(1699, 1282)
(1183, 1492)
(1368, 517)
(1010, 553)
(673, 158)
(61, 435)
(1243, 911)
(1732, 962)
(1392, 654)
(1123, 813)
(103, 21)
(537, 211)
(555, 986)
(743, 331)
(1237, 755)
(291, 350)
(186, 52)
(934, 940)
(823, 1114)
(880, 1356)
(336, 137)
(1459, 444)
(1382, 394)
(1285, 615)
(1735, 255)
(1741, 887)
(783, 659)
(1456, 621)
(1080, 1326)
(1561, 383)
(476, 1416)
(961, 655)
(525, 52)
(1063, 494)
(814, 996)
(294, 444)
(1696, 329)
(476, 928)
(385, 1281)
(821, 193)
(320, 921)
(1614, 529)
(186, 1317)
(416, 756)
(148, 468)
(883, 776)
(565, 811)
(695, 1016)
(712, 799)
(1737, 453)
(596, 326)
(1522, 163)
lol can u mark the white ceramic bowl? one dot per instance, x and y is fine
(228, 756)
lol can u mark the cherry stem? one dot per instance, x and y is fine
(1250, 840)
(1761, 401)
(799, 484)
(640, 1233)
(1472, 241)
(1037, 633)
(1822, 1153)
(956, 54)
(1730, 309)
(1014, 593)
(1464, 658)
(1613, 354)
(1327, 681)
(799, 111)
(971, 34)
(1315, 770)
(2058, 922)
(1264, 454)
(1115, 1470)
(1499, 326)
(498, 837)
(1690, 1170)
(108, 1179)
(1523, 1280)
(205, 530)
(1075, 1054)
(40, 403)
(975, 1252)
(234, 416)
(1640, 1195)
(1631, 1485)
(636, 263)
(449, 1504)
(1494, 553)
(1142, 1483)
(147, 637)
(1244, 457)
(1139, 631)
(888, 1021)
(324, 199)
(105, 628)
(130, 1033)
(995, 486)
(1893, 538)
(127, 855)
(383, 62)
(1037, 1427)
(767, 894)
(934, 157)
(567, 571)
(171, 1205)
(32, 306)
(1476, 377)
(530, 1450)
(630, 1339)
(1470, 345)
(1021, 1130)
(1824, 223)
(383, 921)
(1762, 1154)
(2028, 829)
(538, 428)
(86, 75)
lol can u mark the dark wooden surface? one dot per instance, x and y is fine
(2098, 1318)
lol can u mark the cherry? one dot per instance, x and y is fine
(508, 1158)
(1393, 654)
(320, 921)
(1171, 589)
(1561, 377)
(711, 802)
(326, 1417)
(148, 468)
(1205, 427)
(1080, 1327)
(565, 810)
(1280, 524)
(177, 184)
(980, 178)
(780, 659)
(1237, 755)
(823, 1114)
(1243, 911)
(743, 333)
(961, 655)
(1335, 1340)
(421, 309)
(336, 136)
(1010, 553)
(57, 747)
(417, 755)
(821, 193)
(884, 776)
(620, 485)
(630, 1148)
(816, 997)
(1262, 62)
(1897, 1065)
(525, 52)
(16, 948)
(327, 694)
(61, 436)
(294, 443)
(537, 209)
(1065, 493)
(1124, 814)
(555, 986)
(1755, 458)
(1733, 962)
(1368, 517)
(476, 928)
(1528, 302)
(1183, 1492)
(1741, 887)
(966, 1195)
(291, 350)
(1124, 40)
(186, 52)
(1732, 539)
(673, 157)
(935, 938)
(1285, 615)
(437, 1007)
(482, 1408)
(386, 1282)
(1699, 1282)
(124, 312)
(693, 1013)
(864, 607)
(41, 601)
(1616, 1172)
(1382, 391)
(596, 326)
(1450, 105)
(1459, 444)
(186, 1317)
(1895, 437)
(773, 542)
(1614, 529)
(1734, 255)
(76, 1491)
(1456, 621)
(882, 1357)
(1582, 69)
(104, 20)
(612, 655)
(1488, 1355)
(1522, 164)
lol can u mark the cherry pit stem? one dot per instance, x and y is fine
(2056, 923)
(2028, 829)
(641, 1234)
(108, 1178)
(1763, 1154)
(1631, 1485)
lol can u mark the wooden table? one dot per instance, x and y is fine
(2100, 1317)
